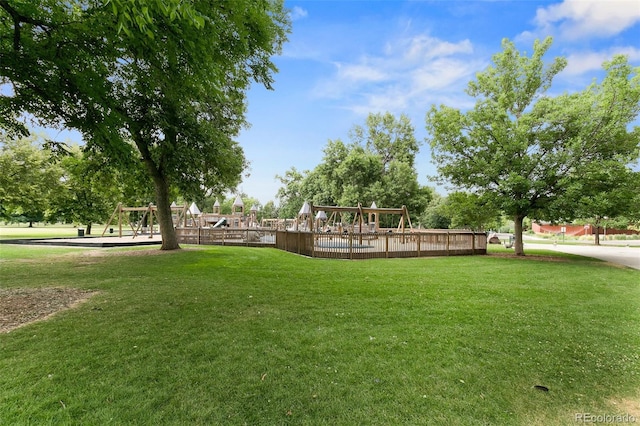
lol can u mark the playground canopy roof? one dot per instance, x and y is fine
(194, 210)
(305, 210)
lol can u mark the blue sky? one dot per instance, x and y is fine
(345, 59)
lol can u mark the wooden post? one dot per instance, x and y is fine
(120, 220)
(360, 220)
(111, 218)
(386, 244)
(473, 242)
(185, 210)
(150, 212)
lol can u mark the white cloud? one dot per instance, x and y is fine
(422, 48)
(390, 98)
(583, 62)
(575, 19)
(410, 73)
(360, 72)
(298, 13)
(441, 74)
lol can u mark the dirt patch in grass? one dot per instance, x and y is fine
(627, 406)
(20, 306)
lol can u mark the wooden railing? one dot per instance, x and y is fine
(345, 245)
(227, 237)
(383, 245)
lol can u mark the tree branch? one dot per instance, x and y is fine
(18, 19)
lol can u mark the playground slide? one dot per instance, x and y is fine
(220, 223)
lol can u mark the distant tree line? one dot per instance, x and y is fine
(68, 185)
(377, 166)
(519, 153)
(157, 83)
(158, 91)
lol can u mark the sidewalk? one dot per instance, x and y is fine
(614, 253)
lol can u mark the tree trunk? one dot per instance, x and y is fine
(597, 235)
(167, 231)
(88, 231)
(518, 244)
(163, 205)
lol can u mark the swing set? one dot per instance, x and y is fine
(148, 213)
(364, 219)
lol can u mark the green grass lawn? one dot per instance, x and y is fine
(224, 335)
(42, 231)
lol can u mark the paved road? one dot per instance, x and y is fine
(627, 256)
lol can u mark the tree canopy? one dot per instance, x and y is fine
(522, 150)
(161, 82)
(90, 188)
(606, 192)
(27, 180)
(69, 186)
(378, 165)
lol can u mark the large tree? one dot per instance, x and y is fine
(290, 193)
(469, 211)
(519, 148)
(90, 188)
(27, 180)
(378, 165)
(166, 78)
(606, 193)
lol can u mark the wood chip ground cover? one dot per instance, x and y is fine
(19, 307)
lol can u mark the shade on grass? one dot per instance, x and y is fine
(258, 336)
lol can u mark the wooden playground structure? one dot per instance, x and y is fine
(341, 232)
(356, 219)
(317, 231)
(149, 212)
(355, 233)
(237, 219)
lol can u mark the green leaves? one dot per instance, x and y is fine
(140, 17)
(168, 75)
(27, 180)
(526, 150)
(377, 166)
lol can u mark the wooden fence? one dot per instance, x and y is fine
(227, 237)
(382, 245)
(344, 245)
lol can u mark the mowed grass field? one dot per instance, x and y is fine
(40, 230)
(224, 335)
